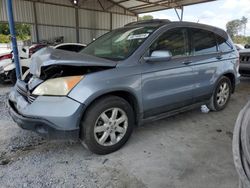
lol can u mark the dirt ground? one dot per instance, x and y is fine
(191, 150)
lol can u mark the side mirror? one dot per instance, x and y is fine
(159, 55)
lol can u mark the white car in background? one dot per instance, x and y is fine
(239, 46)
(7, 66)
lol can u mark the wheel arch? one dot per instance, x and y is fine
(231, 76)
(126, 95)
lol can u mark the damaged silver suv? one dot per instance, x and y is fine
(144, 71)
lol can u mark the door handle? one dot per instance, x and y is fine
(219, 57)
(187, 62)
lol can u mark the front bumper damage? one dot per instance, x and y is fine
(50, 116)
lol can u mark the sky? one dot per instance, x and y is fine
(216, 13)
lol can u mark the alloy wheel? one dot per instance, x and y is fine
(223, 94)
(110, 127)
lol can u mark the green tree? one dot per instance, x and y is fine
(23, 32)
(244, 21)
(241, 39)
(233, 27)
(4, 29)
(146, 17)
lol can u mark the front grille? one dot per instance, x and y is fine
(21, 88)
(21, 91)
(1, 69)
(244, 59)
(31, 98)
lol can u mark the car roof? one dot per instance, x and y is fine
(149, 22)
(166, 23)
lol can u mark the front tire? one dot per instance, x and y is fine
(12, 76)
(107, 125)
(221, 95)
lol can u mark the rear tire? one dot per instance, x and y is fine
(107, 125)
(221, 95)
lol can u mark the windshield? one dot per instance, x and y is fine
(119, 44)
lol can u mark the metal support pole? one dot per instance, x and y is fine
(179, 16)
(35, 19)
(77, 24)
(111, 21)
(13, 37)
(182, 12)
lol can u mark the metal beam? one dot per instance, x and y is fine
(111, 21)
(137, 10)
(117, 4)
(182, 12)
(13, 37)
(178, 15)
(162, 3)
(101, 4)
(84, 8)
(35, 20)
(77, 25)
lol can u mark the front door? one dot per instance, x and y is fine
(167, 84)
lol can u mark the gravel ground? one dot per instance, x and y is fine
(4, 89)
(188, 150)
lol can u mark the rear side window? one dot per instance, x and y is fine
(203, 42)
(174, 41)
(222, 44)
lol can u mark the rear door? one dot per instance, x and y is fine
(205, 58)
(167, 85)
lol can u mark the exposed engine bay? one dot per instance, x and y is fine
(52, 63)
(65, 70)
(56, 71)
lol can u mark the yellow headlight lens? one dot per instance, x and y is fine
(57, 86)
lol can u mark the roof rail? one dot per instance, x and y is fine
(153, 21)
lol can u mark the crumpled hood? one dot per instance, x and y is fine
(49, 56)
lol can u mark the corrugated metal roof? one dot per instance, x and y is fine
(130, 6)
(95, 17)
(142, 6)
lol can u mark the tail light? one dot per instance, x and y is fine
(7, 56)
(33, 49)
(30, 52)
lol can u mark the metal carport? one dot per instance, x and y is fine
(80, 20)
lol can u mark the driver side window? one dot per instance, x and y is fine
(174, 41)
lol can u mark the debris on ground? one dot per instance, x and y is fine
(204, 109)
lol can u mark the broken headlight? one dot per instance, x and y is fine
(57, 86)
